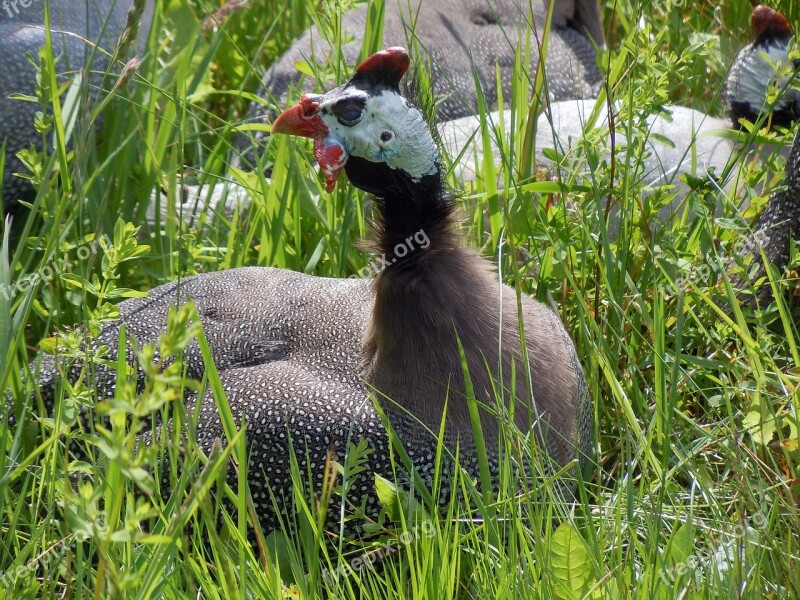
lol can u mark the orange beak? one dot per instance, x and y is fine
(301, 119)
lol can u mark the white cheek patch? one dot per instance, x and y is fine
(391, 132)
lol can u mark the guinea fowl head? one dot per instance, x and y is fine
(368, 119)
(757, 66)
(382, 142)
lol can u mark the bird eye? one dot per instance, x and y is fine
(349, 112)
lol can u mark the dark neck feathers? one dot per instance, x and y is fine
(432, 293)
(405, 207)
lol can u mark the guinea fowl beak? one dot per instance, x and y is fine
(304, 120)
(301, 119)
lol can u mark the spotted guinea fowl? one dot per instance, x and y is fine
(678, 140)
(465, 39)
(300, 356)
(78, 25)
(756, 68)
(771, 234)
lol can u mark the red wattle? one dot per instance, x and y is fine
(332, 157)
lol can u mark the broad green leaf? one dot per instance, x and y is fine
(681, 546)
(761, 429)
(388, 497)
(571, 564)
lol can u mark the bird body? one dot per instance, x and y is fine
(411, 352)
(302, 357)
(679, 140)
(76, 25)
(758, 67)
(771, 236)
(464, 38)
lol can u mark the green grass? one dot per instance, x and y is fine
(696, 488)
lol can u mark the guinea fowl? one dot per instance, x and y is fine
(755, 69)
(305, 353)
(77, 25)
(678, 140)
(772, 234)
(465, 39)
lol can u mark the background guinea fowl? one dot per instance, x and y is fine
(299, 352)
(461, 38)
(21, 33)
(772, 234)
(755, 65)
(680, 140)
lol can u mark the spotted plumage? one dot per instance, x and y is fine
(302, 356)
(84, 23)
(771, 234)
(757, 67)
(464, 38)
